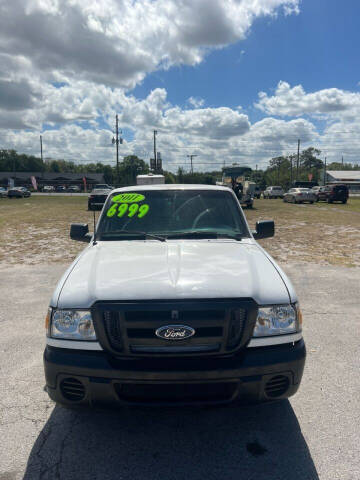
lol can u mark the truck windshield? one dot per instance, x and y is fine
(171, 214)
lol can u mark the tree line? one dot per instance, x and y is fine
(282, 170)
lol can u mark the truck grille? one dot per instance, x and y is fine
(128, 329)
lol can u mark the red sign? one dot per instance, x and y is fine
(310, 176)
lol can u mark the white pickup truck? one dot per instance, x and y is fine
(173, 301)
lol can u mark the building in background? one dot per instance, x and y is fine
(350, 178)
(23, 179)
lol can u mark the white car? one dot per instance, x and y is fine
(273, 192)
(300, 195)
(173, 302)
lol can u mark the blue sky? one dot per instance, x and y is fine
(260, 73)
(318, 48)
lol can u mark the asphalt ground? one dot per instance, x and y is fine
(314, 435)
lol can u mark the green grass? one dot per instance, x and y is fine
(36, 230)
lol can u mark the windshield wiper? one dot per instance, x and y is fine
(201, 234)
(130, 233)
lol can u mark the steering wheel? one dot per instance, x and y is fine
(199, 217)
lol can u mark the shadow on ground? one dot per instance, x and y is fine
(260, 442)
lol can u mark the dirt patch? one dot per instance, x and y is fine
(319, 233)
(36, 230)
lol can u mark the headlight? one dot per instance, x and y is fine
(72, 325)
(278, 320)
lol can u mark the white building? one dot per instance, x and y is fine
(351, 178)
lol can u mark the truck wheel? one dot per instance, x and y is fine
(344, 201)
(312, 202)
(329, 200)
(90, 207)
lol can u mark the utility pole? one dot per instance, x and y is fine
(155, 159)
(191, 161)
(298, 161)
(117, 140)
(278, 170)
(41, 156)
(117, 148)
(325, 172)
(342, 160)
(41, 152)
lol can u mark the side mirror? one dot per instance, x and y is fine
(80, 232)
(264, 229)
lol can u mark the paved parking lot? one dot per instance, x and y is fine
(315, 435)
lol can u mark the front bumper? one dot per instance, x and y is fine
(96, 378)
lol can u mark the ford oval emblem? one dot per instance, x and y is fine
(175, 332)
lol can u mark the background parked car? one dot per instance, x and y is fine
(73, 189)
(300, 195)
(60, 188)
(273, 192)
(98, 197)
(48, 188)
(18, 192)
(3, 192)
(333, 193)
(316, 189)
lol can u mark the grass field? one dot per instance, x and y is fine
(36, 230)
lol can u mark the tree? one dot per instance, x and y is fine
(309, 160)
(130, 167)
(169, 177)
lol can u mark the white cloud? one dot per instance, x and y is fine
(99, 49)
(196, 102)
(118, 42)
(294, 101)
(214, 134)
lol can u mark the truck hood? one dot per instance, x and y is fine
(149, 270)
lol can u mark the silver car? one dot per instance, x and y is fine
(273, 192)
(3, 192)
(299, 195)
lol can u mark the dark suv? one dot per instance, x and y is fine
(333, 193)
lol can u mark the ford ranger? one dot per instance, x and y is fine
(173, 301)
